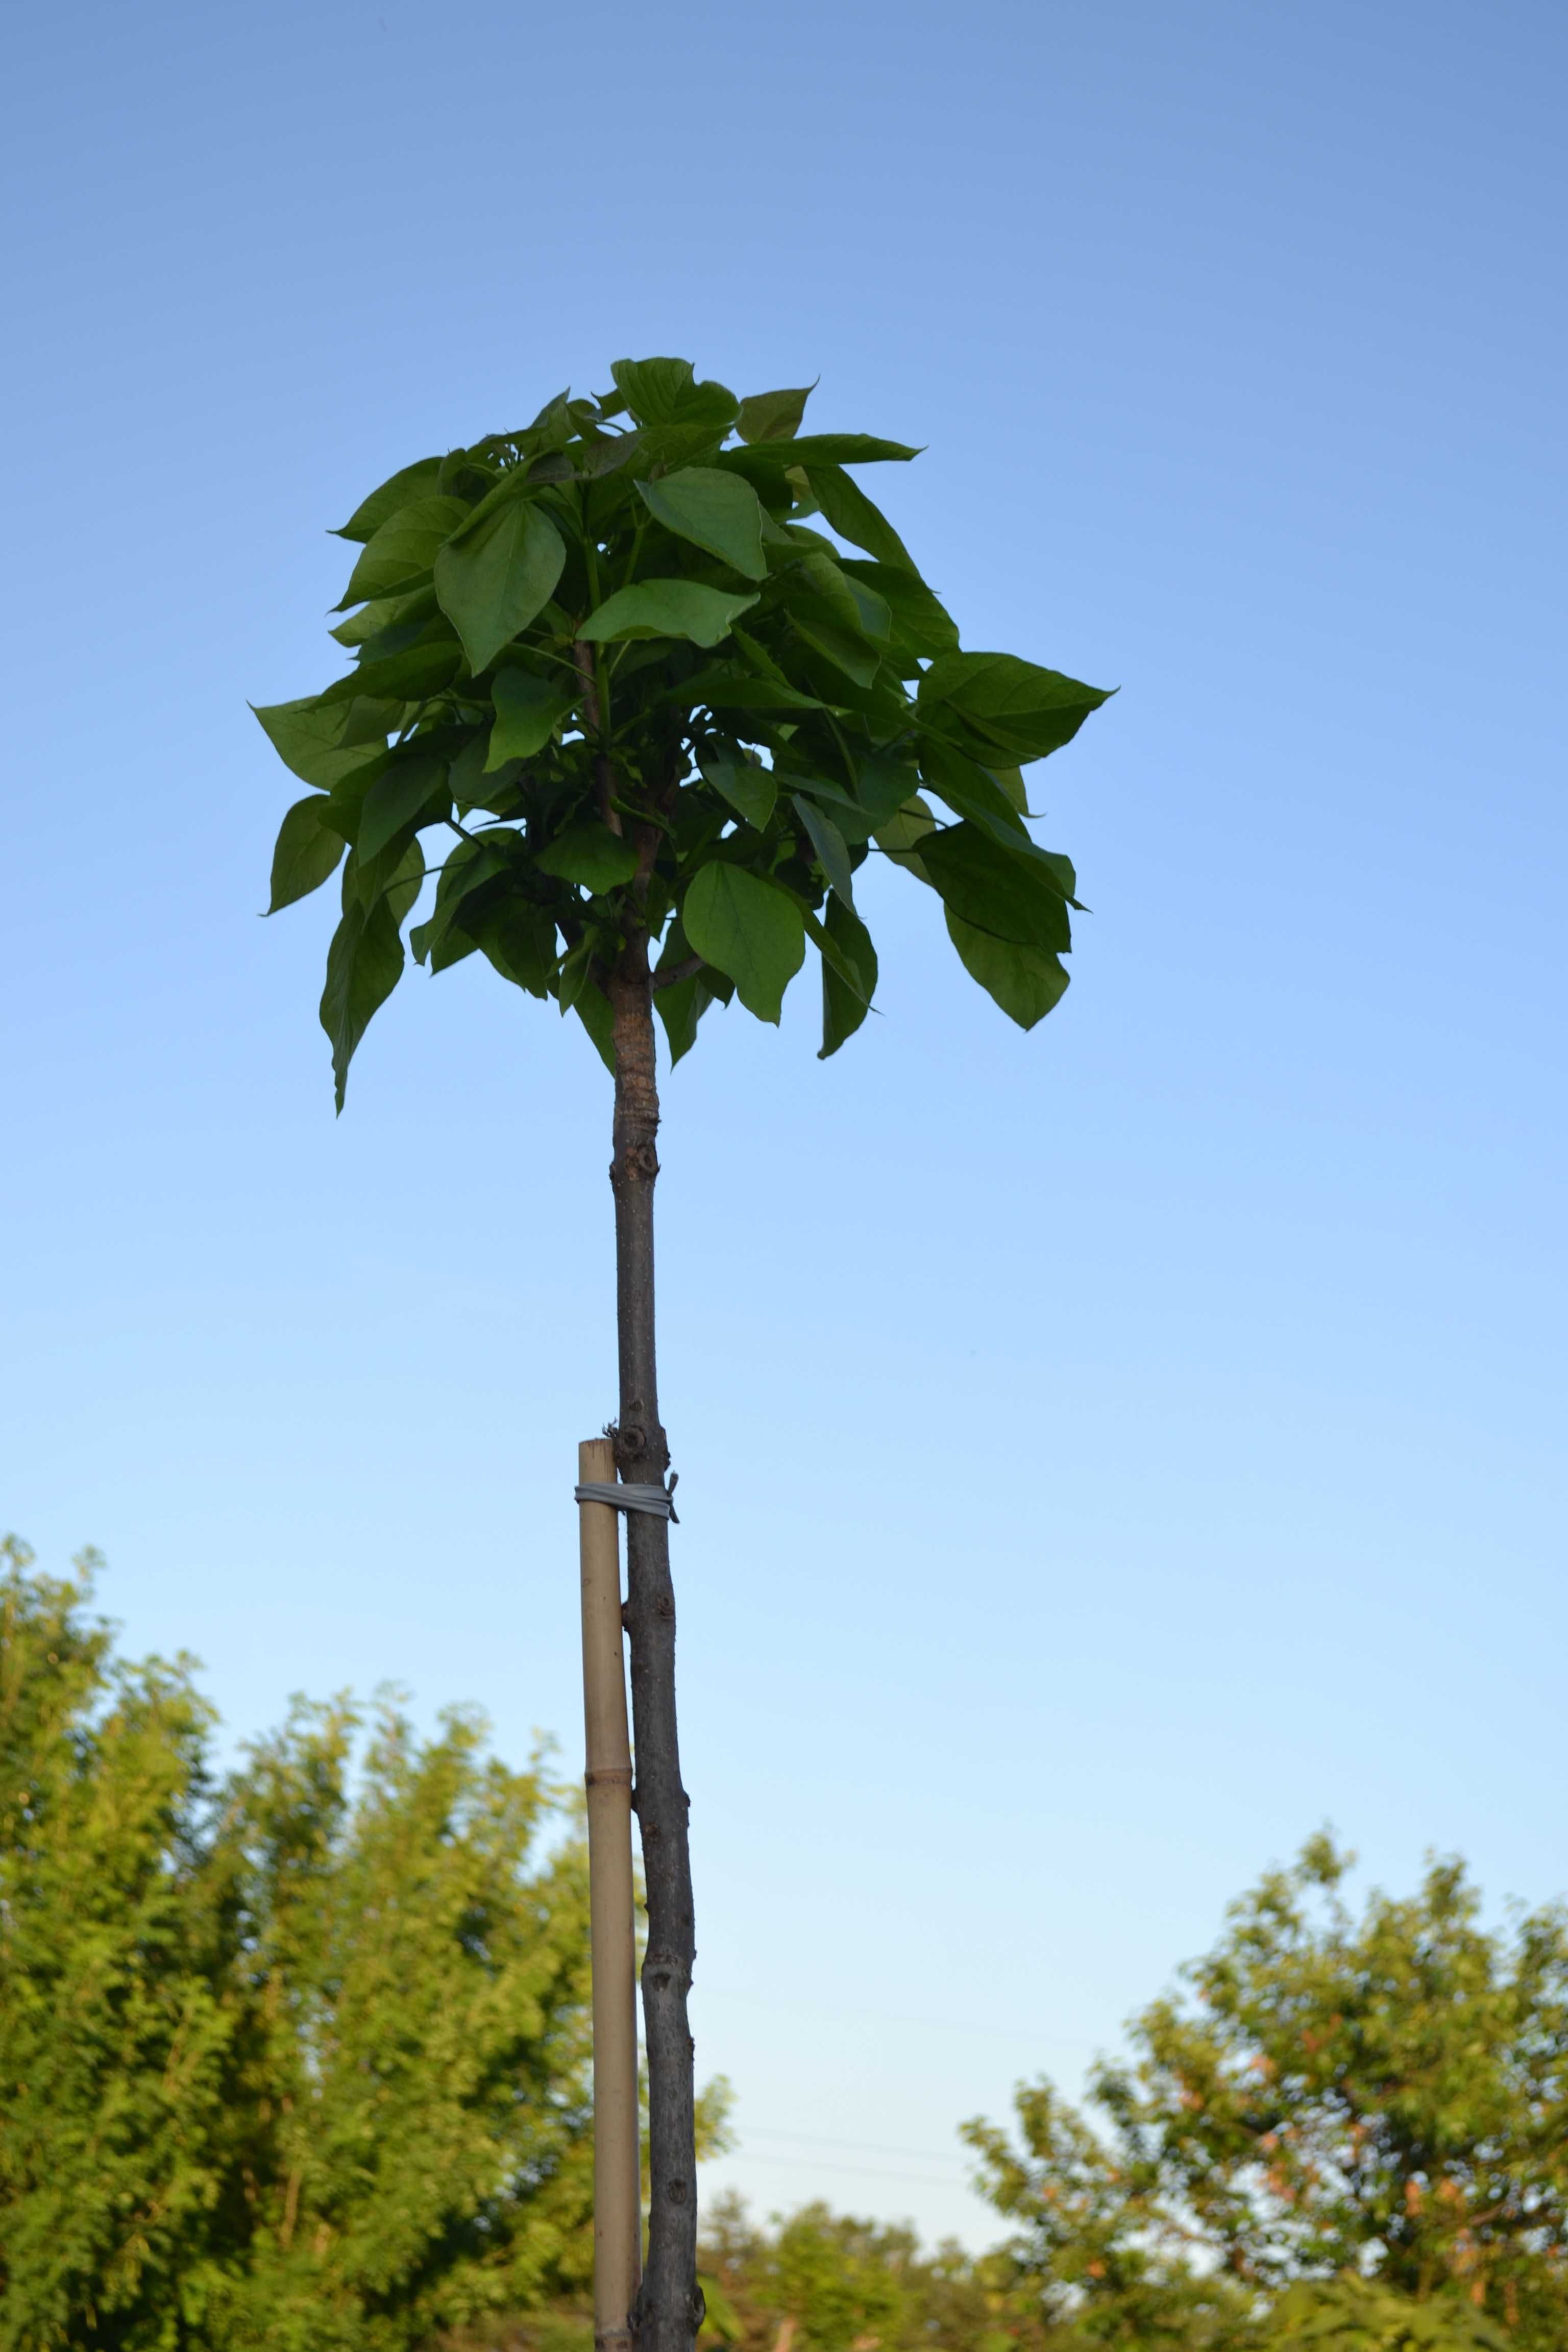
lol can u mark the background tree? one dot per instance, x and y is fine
(819, 2281)
(298, 2060)
(1357, 2315)
(415, 1974)
(119, 2064)
(1384, 2095)
(662, 720)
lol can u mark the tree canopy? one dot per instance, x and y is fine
(296, 2057)
(622, 664)
(1385, 2094)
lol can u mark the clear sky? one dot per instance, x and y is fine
(1105, 1455)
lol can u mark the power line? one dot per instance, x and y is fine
(866, 2146)
(858, 2171)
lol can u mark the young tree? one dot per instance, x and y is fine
(661, 719)
(1386, 2094)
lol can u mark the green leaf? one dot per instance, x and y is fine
(725, 685)
(665, 608)
(978, 795)
(410, 784)
(831, 612)
(848, 975)
(385, 612)
(772, 416)
(662, 448)
(847, 651)
(662, 392)
(903, 834)
(471, 864)
(473, 788)
(749, 790)
(412, 676)
(407, 881)
(527, 711)
(519, 941)
(307, 737)
(432, 628)
(412, 482)
(369, 719)
(818, 449)
(714, 511)
(681, 1004)
(306, 853)
(344, 805)
(590, 854)
(403, 549)
(828, 843)
(746, 928)
(969, 788)
(874, 614)
(395, 873)
(576, 970)
(922, 622)
(851, 514)
(884, 785)
(364, 964)
(994, 887)
(591, 1007)
(1025, 981)
(498, 574)
(1025, 710)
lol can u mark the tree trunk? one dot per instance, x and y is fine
(669, 2307)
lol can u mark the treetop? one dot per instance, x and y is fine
(655, 677)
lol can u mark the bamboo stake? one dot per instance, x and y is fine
(617, 2186)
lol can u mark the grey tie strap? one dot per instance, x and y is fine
(628, 1495)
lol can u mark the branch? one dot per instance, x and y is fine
(686, 969)
(603, 774)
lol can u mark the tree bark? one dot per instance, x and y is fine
(669, 2305)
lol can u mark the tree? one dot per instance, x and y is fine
(663, 721)
(118, 2048)
(299, 2059)
(1355, 2314)
(415, 1980)
(825, 2282)
(1382, 2098)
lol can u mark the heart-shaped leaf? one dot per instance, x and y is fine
(747, 928)
(497, 575)
(665, 608)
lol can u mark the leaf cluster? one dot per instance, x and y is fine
(295, 2059)
(1383, 2096)
(819, 2281)
(656, 676)
(1359, 2315)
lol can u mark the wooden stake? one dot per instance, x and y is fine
(617, 2187)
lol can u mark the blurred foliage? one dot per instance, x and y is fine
(824, 2282)
(1356, 2314)
(296, 2057)
(1384, 2095)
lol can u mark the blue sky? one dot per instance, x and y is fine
(1106, 1453)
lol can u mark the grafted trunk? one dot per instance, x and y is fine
(669, 2307)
